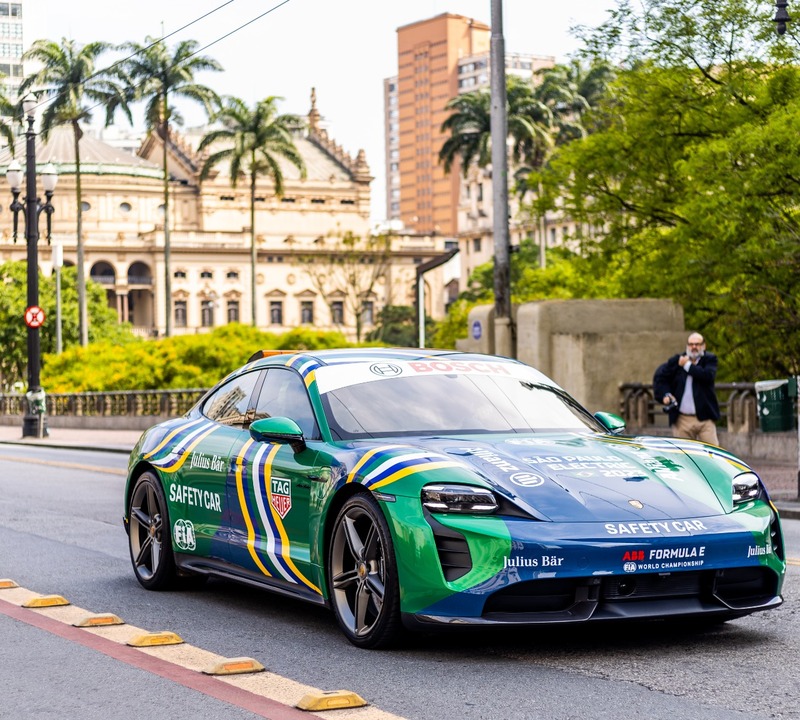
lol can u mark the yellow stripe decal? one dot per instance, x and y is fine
(251, 533)
(405, 472)
(364, 459)
(178, 465)
(285, 556)
(169, 437)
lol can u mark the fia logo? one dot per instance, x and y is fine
(183, 532)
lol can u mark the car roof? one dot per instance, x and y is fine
(367, 355)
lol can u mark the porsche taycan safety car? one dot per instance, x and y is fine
(425, 488)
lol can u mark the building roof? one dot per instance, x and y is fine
(97, 158)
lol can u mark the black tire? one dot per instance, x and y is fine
(362, 575)
(149, 536)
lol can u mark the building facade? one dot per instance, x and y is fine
(438, 59)
(11, 46)
(211, 269)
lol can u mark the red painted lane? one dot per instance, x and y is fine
(206, 684)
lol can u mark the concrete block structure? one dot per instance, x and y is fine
(589, 347)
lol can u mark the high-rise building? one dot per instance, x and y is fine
(428, 53)
(11, 47)
(437, 59)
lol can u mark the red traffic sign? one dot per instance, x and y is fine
(34, 316)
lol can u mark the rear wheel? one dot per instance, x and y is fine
(362, 575)
(149, 537)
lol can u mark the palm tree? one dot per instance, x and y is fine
(569, 91)
(7, 110)
(469, 126)
(74, 87)
(253, 141)
(157, 77)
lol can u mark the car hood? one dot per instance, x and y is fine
(585, 478)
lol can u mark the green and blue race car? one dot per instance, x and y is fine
(426, 488)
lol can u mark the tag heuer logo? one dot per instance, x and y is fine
(281, 496)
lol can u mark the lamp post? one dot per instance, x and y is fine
(58, 263)
(503, 327)
(34, 423)
(781, 16)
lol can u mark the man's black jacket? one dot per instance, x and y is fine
(671, 378)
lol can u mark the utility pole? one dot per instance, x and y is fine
(503, 327)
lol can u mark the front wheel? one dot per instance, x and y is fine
(149, 537)
(362, 575)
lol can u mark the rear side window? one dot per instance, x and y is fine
(284, 394)
(229, 404)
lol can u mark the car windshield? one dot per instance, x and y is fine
(451, 403)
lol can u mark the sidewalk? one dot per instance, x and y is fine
(780, 479)
(121, 441)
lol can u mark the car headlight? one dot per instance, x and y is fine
(459, 499)
(746, 487)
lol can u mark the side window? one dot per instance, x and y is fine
(284, 394)
(229, 404)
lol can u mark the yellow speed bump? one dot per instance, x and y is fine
(234, 666)
(333, 700)
(153, 639)
(44, 601)
(5, 584)
(101, 620)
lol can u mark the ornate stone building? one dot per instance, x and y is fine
(123, 229)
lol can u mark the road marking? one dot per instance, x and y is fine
(70, 466)
(265, 694)
(792, 561)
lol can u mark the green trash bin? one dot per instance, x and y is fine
(775, 407)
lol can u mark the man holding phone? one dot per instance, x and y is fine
(684, 384)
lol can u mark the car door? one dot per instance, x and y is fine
(272, 488)
(197, 476)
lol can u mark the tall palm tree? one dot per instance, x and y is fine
(7, 110)
(158, 76)
(253, 141)
(74, 87)
(469, 126)
(569, 91)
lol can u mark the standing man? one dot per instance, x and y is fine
(685, 385)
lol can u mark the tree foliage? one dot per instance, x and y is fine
(183, 361)
(398, 326)
(70, 71)
(14, 333)
(347, 268)
(253, 141)
(692, 178)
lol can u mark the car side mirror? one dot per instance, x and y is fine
(278, 430)
(611, 422)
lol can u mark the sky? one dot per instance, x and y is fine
(342, 48)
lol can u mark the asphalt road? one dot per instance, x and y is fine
(61, 533)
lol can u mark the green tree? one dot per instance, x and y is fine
(347, 268)
(7, 110)
(692, 175)
(14, 333)
(253, 141)
(398, 326)
(69, 71)
(469, 127)
(158, 76)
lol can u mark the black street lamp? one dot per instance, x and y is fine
(781, 16)
(34, 422)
